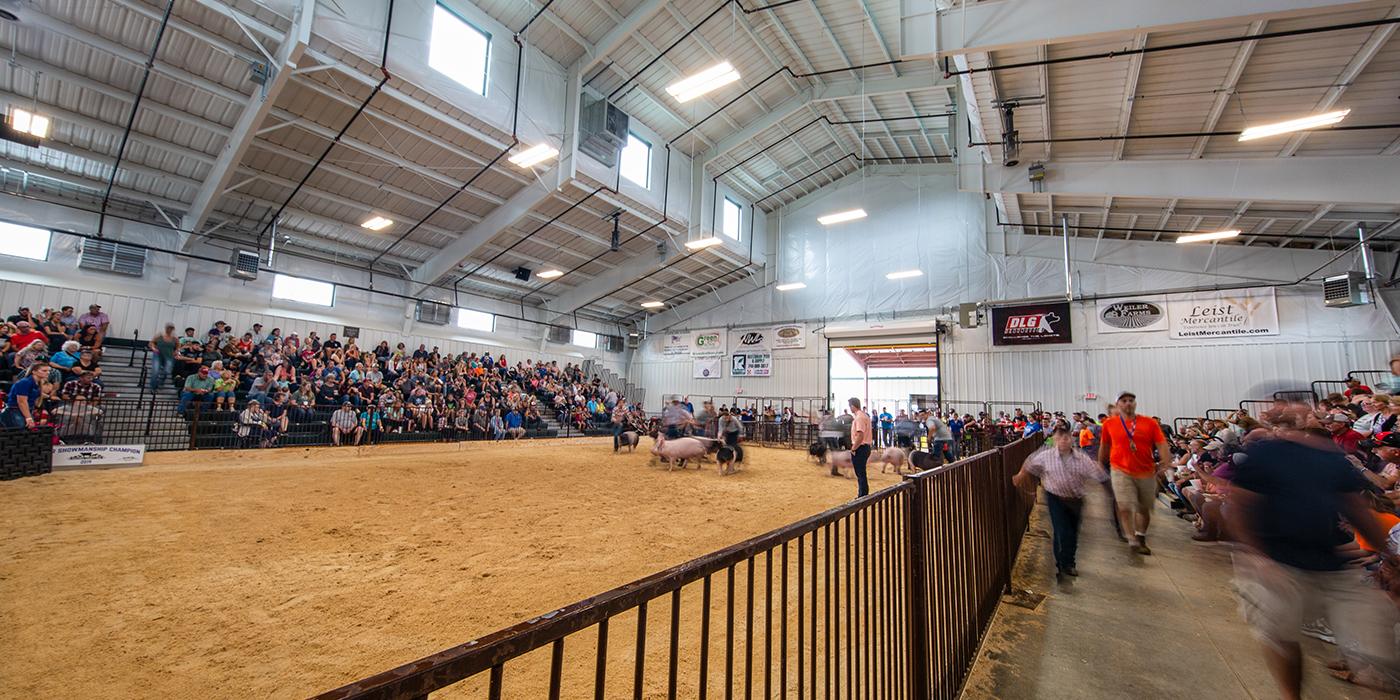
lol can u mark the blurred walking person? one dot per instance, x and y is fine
(1063, 470)
(1286, 504)
(1127, 450)
(861, 439)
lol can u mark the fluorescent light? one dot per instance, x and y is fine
(378, 223)
(652, 304)
(27, 122)
(702, 243)
(1255, 132)
(902, 275)
(703, 82)
(549, 274)
(535, 155)
(1192, 238)
(791, 286)
(830, 219)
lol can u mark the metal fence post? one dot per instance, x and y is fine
(916, 525)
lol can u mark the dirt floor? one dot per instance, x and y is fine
(286, 573)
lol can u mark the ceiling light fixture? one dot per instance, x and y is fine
(378, 223)
(1257, 132)
(902, 275)
(702, 243)
(27, 122)
(791, 286)
(652, 304)
(703, 82)
(830, 219)
(535, 155)
(549, 274)
(1193, 238)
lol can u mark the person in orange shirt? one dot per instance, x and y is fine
(861, 439)
(1127, 448)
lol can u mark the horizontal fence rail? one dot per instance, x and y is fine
(887, 596)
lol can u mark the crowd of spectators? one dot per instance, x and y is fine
(273, 381)
(51, 360)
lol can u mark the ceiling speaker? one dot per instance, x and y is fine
(522, 274)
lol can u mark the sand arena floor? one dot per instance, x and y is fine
(285, 573)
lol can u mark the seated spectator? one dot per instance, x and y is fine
(69, 319)
(1354, 386)
(30, 353)
(276, 411)
(1339, 424)
(67, 356)
(89, 338)
(187, 361)
(371, 421)
(346, 422)
(23, 336)
(53, 327)
(198, 387)
(253, 424)
(262, 386)
(498, 426)
(99, 322)
(1375, 407)
(225, 384)
(82, 389)
(87, 364)
(23, 399)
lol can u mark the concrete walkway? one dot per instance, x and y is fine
(1161, 626)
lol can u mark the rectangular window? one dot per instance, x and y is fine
(584, 339)
(733, 218)
(303, 290)
(476, 321)
(459, 50)
(24, 241)
(636, 161)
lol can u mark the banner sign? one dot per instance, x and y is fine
(751, 363)
(676, 345)
(101, 455)
(708, 344)
(1036, 324)
(790, 337)
(1224, 314)
(708, 367)
(751, 339)
(1132, 316)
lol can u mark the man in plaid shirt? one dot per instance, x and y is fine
(1063, 470)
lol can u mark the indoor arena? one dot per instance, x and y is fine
(568, 349)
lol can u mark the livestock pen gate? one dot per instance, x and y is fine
(887, 596)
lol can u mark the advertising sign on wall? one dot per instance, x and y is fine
(1035, 324)
(708, 367)
(708, 344)
(676, 344)
(1224, 314)
(790, 337)
(1132, 316)
(751, 339)
(97, 455)
(751, 363)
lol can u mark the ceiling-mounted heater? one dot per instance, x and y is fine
(243, 265)
(433, 313)
(1342, 291)
(603, 128)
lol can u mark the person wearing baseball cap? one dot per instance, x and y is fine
(198, 387)
(1135, 449)
(1339, 424)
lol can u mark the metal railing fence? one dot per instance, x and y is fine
(887, 596)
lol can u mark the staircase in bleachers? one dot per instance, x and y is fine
(629, 391)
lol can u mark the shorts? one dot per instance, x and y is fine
(1277, 600)
(1134, 493)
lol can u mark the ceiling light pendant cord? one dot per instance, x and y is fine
(131, 119)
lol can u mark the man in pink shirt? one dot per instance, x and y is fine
(861, 439)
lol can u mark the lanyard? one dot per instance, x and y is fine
(1131, 444)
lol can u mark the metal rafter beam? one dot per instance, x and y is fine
(616, 36)
(1338, 179)
(1303, 225)
(1227, 88)
(1125, 110)
(250, 118)
(1379, 37)
(1009, 24)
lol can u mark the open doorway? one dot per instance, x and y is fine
(889, 378)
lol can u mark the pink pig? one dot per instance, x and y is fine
(682, 449)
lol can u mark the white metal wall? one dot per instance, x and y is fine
(803, 375)
(148, 316)
(1170, 381)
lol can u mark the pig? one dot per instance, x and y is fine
(923, 461)
(841, 459)
(892, 456)
(629, 439)
(817, 452)
(726, 458)
(682, 449)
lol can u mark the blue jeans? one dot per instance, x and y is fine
(859, 457)
(1065, 514)
(617, 436)
(943, 448)
(187, 396)
(161, 369)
